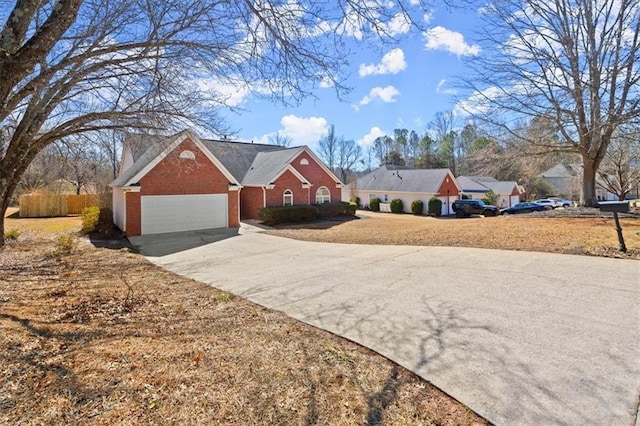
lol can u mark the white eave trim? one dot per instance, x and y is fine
(130, 189)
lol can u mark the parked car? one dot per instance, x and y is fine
(547, 202)
(561, 202)
(465, 208)
(526, 207)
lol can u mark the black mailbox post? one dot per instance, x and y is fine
(616, 207)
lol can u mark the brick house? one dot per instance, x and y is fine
(182, 183)
(407, 184)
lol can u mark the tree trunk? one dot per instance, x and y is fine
(588, 193)
(4, 205)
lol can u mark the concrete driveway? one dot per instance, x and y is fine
(521, 338)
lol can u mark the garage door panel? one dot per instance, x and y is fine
(176, 213)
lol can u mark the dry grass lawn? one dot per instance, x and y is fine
(572, 235)
(100, 336)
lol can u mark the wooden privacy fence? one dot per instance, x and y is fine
(47, 205)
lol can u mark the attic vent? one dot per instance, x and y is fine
(304, 162)
(187, 155)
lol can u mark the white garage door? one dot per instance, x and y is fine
(515, 199)
(175, 213)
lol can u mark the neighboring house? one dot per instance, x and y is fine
(566, 181)
(391, 182)
(476, 187)
(181, 183)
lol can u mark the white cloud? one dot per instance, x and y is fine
(385, 94)
(440, 38)
(398, 25)
(427, 17)
(373, 134)
(231, 94)
(326, 82)
(303, 131)
(442, 89)
(477, 103)
(391, 63)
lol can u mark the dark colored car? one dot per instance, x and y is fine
(526, 207)
(465, 208)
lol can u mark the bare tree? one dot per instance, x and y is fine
(43, 170)
(83, 163)
(441, 127)
(349, 153)
(620, 170)
(76, 66)
(328, 147)
(280, 140)
(574, 62)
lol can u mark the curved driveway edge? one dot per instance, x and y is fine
(519, 337)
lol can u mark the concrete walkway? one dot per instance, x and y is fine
(521, 338)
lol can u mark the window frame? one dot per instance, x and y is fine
(287, 194)
(324, 197)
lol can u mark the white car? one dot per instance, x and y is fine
(548, 202)
(560, 202)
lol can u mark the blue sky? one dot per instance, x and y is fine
(394, 86)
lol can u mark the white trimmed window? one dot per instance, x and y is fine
(287, 198)
(323, 195)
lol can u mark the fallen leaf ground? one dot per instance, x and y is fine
(101, 336)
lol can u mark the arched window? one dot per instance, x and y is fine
(188, 155)
(323, 195)
(287, 198)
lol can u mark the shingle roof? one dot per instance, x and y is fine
(250, 164)
(144, 148)
(469, 185)
(238, 157)
(562, 171)
(485, 183)
(268, 165)
(501, 187)
(395, 179)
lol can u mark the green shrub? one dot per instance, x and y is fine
(491, 198)
(434, 207)
(465, 196)
(416, 207)
(11, 234)
(65, 244)
(90, 219)
(339, 208)
(374, 204)
(288, 214)
(396, 206)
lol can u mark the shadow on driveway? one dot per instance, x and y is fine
(163, 244)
